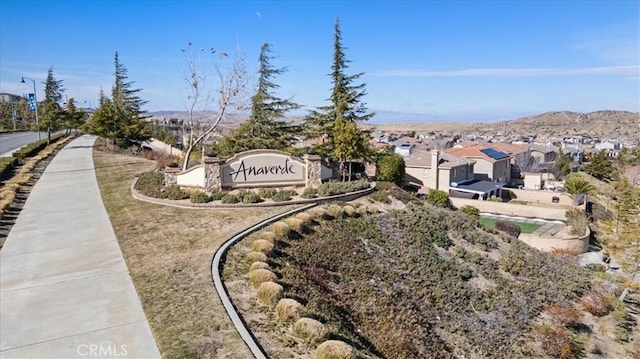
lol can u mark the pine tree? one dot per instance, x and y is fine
(51, 112)
(346, 98)
(121, 117)
(265, 127)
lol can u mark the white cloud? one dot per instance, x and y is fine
(515, 72)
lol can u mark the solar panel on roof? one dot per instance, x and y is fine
(496, 155)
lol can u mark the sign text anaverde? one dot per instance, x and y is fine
(287, 168)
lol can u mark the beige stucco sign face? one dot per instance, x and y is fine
(260, 167)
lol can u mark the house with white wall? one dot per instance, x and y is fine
(437, 170)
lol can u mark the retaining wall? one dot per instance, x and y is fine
(512, 209)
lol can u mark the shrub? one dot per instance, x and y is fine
(335, 211)
(288, 309)
(471, 211)
(176, 193)
(438, 198)
(557, 342)
(199, 197)
(372, 209)
(390, 168)
(509, 228)
(281, 196)
(361, 210)
(309, 192)
(261, 245)
(269, 236)
(150, 183)
(318, 213)
(270, 292)
(230, 198)
(259, 265)
(336, 188)
(381, 196)
(218, 195)
(251, 198)
(281, 229)
(348, 211)
(295, 224)
(259, 276)
(596, 304)
(7, 165)
(310, 330)
(335, 349)
(256, 257)
(267, 192)
(577, 221)
(566, 316)
(304, 217)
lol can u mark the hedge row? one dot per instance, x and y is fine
(32, 149)
(7, 164)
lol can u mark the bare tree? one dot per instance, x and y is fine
(525, 162)
(232, 80)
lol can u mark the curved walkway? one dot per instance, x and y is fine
(65, 290)
(216, 269)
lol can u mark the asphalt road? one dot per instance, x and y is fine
(10, 142)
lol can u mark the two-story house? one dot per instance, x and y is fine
(437, 170)
(490, 164)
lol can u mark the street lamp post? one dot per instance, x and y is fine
(35, 98)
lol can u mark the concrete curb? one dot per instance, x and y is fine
(216, 267)
(186, 204)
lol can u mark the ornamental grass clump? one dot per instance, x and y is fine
(199, 197)
(256, 257)
(288, 309)
(335, 211)
(259, 276)
(261, 245)
(310, 330)
(348, 211)
(335, 349)
(361, 210)
(372, 209)
(304, 217)
(318, 213)
(268, 236)
(269, 293)
(295, 224)
(259, 265)
(281, 229)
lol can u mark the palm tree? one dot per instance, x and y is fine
(575, 184)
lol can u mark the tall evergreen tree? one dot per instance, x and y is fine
(121, 117)
(346, 98)
(51, 117)
(265, 127)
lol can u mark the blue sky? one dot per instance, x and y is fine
(423, 60)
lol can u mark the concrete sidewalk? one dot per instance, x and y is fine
(65, 291)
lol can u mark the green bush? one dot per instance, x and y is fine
(509, 228)
(336, 188)
(176, 193)
(381, 196)
(281, 196)
(251, 197)
(267, 192)
(230, 198)
(7, 164)
(151, 184)
(390, 168)
(471, 211)
(438, 198)
(199, 197)
(216, 196)
(309, 193)
(32, 149)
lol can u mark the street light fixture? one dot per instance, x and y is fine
(35, 98)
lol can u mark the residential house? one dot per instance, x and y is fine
(437, 170)
(544, 153)
(491, 164)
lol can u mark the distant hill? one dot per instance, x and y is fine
(599, 123)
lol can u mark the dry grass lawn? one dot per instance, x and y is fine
(168, 251)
